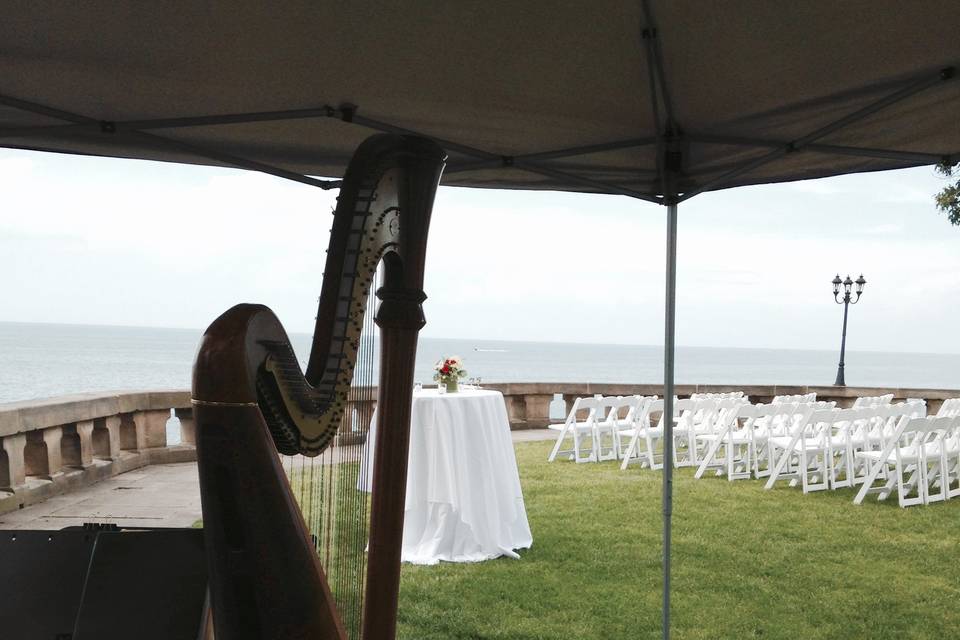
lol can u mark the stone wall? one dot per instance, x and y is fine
(528, 403)
(51, 446)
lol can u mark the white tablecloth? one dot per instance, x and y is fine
(464, 502)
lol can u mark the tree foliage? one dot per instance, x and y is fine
(948, 200)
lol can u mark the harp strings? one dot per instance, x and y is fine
(328, 488)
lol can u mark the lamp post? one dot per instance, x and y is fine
(846, 301)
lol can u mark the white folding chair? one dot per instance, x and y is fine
(911, 458)
(949, 408)
(872, 401)
(734, 438)
(728, 395)
(580, 429)
(629, 411)
(950, 459)
(691, 416)
(802, 457)
(939, 460)
(794, 399)
(606, 427)
(643, 436)
(873, 433)
(778, 423)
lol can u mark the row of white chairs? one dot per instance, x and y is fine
(729, 395)
(876, 445)
(872, 401)
(880, 448)
(618, 427)
(602, 428)
(597, 426)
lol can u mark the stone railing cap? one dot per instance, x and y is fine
(29, 415)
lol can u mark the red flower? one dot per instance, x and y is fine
(445, 370)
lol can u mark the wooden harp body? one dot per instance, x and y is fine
(251, 401)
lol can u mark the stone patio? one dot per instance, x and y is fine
(163, 495)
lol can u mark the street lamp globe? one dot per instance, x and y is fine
(861, 281)
(836, 285)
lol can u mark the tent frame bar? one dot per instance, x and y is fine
(162, 123)
(741, 141)
(669, 157)
(109, 128)
(655, 61)
(346, 113)
(669, 357)
(558, 153)
(919, 157)
(508, 161)
(912, 88)
(137, 129)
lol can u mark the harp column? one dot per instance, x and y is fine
(400, 318)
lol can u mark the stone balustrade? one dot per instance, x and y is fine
(528, 403)
(52, 446)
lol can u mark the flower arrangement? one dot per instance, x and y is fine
(448, 372)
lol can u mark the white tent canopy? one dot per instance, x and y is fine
(657, 100)
(536, 94)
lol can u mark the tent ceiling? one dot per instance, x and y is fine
(501, 79)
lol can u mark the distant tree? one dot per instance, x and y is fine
(948, 200)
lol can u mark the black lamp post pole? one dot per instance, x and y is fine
(843, 342)
(846, 302)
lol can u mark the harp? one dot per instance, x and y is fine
(252, 402)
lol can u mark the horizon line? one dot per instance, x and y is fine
(429, 337)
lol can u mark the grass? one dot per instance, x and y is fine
(747, 563)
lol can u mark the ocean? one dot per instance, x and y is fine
(43, 360)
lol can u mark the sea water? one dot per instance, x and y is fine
(43, 360)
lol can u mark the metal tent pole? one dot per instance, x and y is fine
(669, 347)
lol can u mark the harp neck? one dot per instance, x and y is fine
(266, 579)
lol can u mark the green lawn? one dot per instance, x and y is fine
(747, 563)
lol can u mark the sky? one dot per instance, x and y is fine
(125, 242)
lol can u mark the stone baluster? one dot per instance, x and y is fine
(112, 449)
(85, 431)
(70, 447)
(132, 433)
(933, 406)
(537, 409)
(42, 454)
(188, 427)
(516, 410)
(15, 475)
(152, 427)
(569, 399)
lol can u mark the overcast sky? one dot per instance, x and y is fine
(103, 241)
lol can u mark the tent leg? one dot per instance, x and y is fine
(668, 392)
